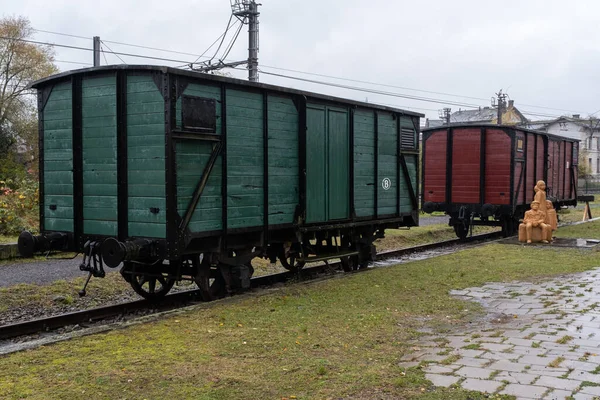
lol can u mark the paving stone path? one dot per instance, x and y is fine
(538, 341)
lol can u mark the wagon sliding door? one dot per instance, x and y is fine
(327, 163)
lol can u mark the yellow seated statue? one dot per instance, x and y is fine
(534, 227)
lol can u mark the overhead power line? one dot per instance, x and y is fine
(86, 49)
(72, 62)
(222, 39)
(104, 54)
(231, 43)
(367, 90)
(305, 72)
(111, 52)
(62, 34)
(418, 98)
(209, 47)
(402, 87)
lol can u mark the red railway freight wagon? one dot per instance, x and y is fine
(486, 174)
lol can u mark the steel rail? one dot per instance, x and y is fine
(189, 297)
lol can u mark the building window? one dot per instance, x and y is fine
(590, 164)
(598, 143)
(598, 165)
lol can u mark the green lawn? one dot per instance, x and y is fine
(8, 239)
(333, 339)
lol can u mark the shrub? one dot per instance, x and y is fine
(19, 205)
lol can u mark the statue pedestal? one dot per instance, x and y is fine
(536, 234)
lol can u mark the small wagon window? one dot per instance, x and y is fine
(520, 145)
(199, 114)
(575, 153)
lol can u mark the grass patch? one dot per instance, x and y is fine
(450, 360)
(309, 341)
(565, 339)
(556, 362)
(536, 345)
(588, 383)
(585, 231)
(402, 238)
(473, 346)
(8, 239)
(64, 293)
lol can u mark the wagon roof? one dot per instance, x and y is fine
(490, 125)
(217, 78)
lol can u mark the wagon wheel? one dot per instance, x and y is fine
(149, 285)
(289, 260)
(461, 230)
(351, 263)
(509, 226)
(210, 281)
(211, 285)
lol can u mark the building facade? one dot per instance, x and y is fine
(586, 130)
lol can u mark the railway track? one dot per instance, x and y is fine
(190, 297)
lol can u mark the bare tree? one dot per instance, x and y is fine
(20, 64)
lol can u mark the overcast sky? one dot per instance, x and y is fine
(542, 53)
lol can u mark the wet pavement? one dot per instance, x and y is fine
(538, 341)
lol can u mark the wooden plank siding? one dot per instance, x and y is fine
(434, 173)
(283, 160)
(245, 157)
(497, 167)
(145, 158)
(99, 142)
(364, 163)
(58, 160)
(412, 161)
(387, 163)
(466, 145)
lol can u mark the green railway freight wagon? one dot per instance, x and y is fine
(175, 174)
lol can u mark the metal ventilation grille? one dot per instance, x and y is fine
(407, 138)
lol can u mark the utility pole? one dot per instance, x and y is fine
(253, 42)
(96, 51)
(501, 105)
(247, 12)
(444, 115)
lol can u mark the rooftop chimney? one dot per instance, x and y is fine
(511, 103)
(576, 116)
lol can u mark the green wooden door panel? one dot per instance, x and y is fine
(338, 161)
(316, 164)
(327, 163)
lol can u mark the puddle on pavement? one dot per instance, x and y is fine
(532, 334)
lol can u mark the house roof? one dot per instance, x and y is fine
(471, 116)
(433, 123)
